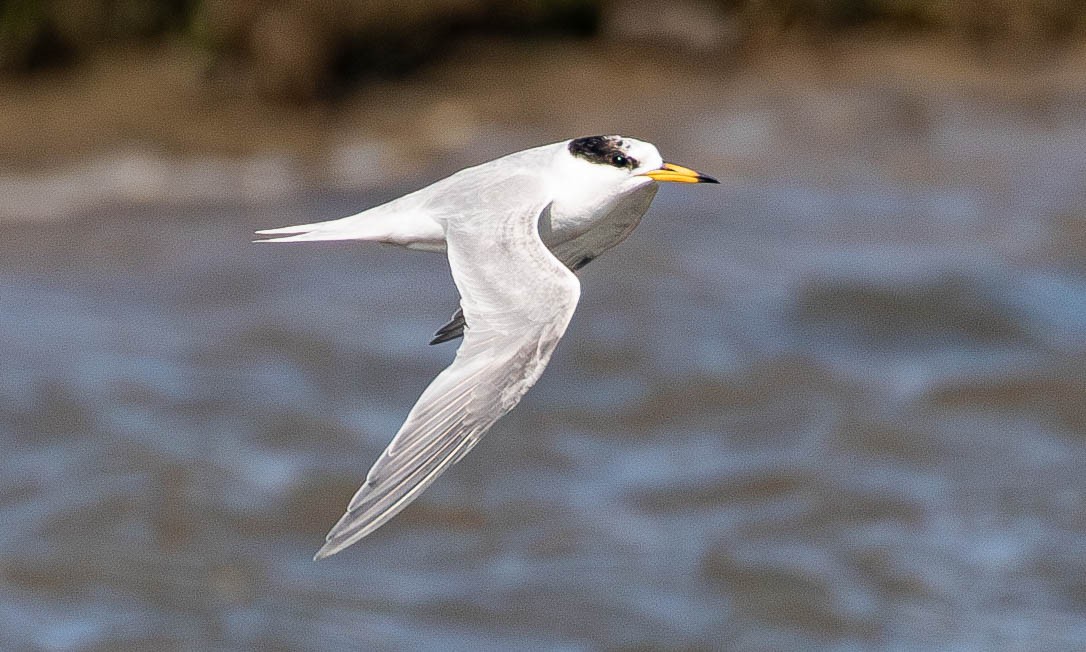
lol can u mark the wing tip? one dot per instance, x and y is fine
(443, 336)
(339, 538)
(327, 550)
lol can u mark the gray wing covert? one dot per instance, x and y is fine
(578, 252)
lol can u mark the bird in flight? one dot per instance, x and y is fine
(515, 230)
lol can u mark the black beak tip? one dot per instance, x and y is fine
(705, 178)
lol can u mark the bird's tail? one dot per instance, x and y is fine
(302, 232)
(408, 228)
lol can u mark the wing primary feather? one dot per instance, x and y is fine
(353, 526)
(451, 330)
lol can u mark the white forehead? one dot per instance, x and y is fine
(646, 154)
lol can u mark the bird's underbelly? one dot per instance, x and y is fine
(603, 225)
(562, 223)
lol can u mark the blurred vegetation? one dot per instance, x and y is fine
(298, 49)
(37, 34)
(286, 48)
(986, 22)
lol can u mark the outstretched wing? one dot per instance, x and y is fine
(518, 300)
(608, 232)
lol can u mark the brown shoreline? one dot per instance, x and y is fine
(147, 125)
(161, 100)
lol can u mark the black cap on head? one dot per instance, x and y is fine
(604, 150)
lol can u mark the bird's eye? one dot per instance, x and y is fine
(619, 161)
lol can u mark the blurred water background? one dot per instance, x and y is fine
(836, 403)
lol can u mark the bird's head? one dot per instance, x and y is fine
(624, 161)
(591, 175)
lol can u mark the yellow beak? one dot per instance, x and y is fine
(678, 174)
